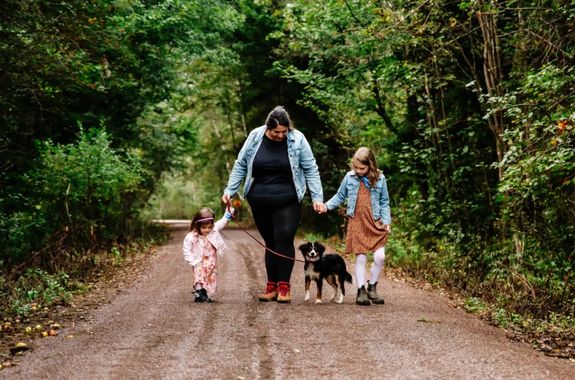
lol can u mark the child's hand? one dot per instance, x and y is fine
(320, 207)
(230, 213)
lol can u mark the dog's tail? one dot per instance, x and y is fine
(348, 277)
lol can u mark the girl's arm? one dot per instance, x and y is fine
(384, 203)
(220, 224)
(339, 197)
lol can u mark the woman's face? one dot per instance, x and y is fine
(278, 133)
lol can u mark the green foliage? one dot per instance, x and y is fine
(84, 192)
(37, 289)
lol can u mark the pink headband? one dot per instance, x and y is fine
(204, 220)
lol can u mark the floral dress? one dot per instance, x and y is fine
(202, 253)
(363, 233)
(206, 271)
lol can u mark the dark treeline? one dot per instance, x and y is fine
(468, 105)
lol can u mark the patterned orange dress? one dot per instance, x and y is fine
(363, 233)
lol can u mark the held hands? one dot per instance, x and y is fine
(319, 207)
(230, 213)
(226, 198)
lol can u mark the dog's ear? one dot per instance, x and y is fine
(303, 246)
(319, 247)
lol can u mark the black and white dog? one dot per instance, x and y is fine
(318, 267)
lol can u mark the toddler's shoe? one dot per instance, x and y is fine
(202, 296)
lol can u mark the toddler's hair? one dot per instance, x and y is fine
(204, 216)
(366, 157)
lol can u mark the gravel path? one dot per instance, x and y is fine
(153, 330)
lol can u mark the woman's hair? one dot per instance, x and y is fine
(203, 216)
(366, 157)
(278, 116)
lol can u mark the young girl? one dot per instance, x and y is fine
(201, 246)
(369, 220)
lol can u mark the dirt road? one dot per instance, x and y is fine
(153, 330)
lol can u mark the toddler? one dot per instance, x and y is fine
(202, 245)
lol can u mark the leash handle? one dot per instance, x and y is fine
(229, 209)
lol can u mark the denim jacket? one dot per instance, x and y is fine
(303, 166)
(348, 190)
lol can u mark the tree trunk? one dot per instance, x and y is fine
(492, 75)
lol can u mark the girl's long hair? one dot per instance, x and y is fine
(366, 157)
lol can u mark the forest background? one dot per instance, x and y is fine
(116, 112)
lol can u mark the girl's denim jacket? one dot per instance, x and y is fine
(303, 166)
(348, 190)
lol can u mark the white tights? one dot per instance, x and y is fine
(376, 267)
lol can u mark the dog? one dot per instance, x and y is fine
(318, 267)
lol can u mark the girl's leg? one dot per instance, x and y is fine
(377, 266)
(360, 264)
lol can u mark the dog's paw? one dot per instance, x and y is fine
(318, 301)
(306, 297)
(339, 299)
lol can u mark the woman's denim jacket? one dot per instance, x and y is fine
(348, 190)
(303, 166)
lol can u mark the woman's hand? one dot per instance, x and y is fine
(226, 198)
(319, 207)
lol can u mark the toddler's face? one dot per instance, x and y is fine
(206, 228)
(360, 169)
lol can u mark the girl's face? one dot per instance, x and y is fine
(360, 169)
(206, 228)
(278, 134)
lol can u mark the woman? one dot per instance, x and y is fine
(277, 163)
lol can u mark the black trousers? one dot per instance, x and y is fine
(277, 220)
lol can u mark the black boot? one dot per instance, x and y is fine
(372, 294)
(202, 296)
(362, 298)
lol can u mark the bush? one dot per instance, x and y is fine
(80, 194)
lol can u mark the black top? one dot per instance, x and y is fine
(271, 171)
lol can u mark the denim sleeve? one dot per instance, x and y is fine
(239, 170)
(339, 197)
(311, 171)
(384, 203)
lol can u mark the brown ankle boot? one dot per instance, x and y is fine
(271, 293)
(372, 294)
(362, 298)
(284, 294)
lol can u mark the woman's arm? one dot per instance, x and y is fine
(239, 170)
(310, 171)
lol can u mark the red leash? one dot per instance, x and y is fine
(228, 209)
